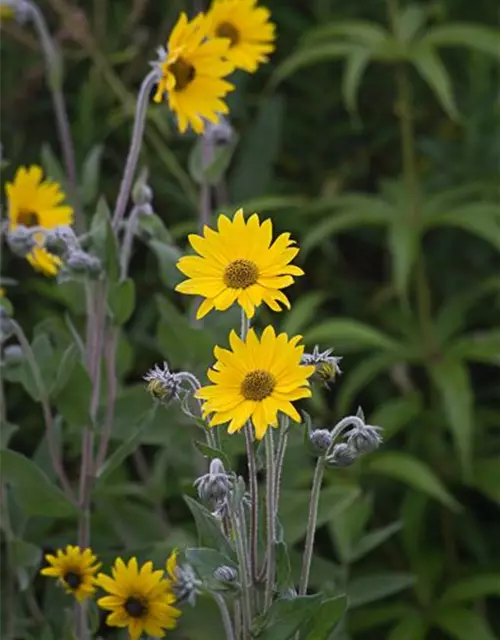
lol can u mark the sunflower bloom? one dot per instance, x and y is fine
(75, 570)
(248, 28)
(140, 599)
(35, 202)
(239, 264)
(192, 72)
(255, 380)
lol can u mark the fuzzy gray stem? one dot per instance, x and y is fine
(226, 618)
(109, 360)
(342, 425)
(270, 519)
(236, 524)
(280, 457)
(54, 70)
(311, 526)
(135, 146)
(55, 456)
(128, 241)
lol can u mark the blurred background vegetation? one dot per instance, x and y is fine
(372, 136)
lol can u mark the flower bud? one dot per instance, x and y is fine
(326, 366)
(12, 355)
(226, 574)
(321, 439)
(21, 240)
(163, 385)
(215, 486)
(6, 325)
(364, 439)
(342, 456)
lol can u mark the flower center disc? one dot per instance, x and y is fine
(135, 608)
(184, 73)
(257, 385)
(241, 274)
(227, 30)
(73, 580)
(28, 218)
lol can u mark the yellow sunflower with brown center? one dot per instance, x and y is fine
(35, 202)
(75, 569)
(239, 263)
(250, 32)
(192, 74)
(255, 380)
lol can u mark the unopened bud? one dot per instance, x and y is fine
(12, 354)
(342, 456)
(326, 366)
(21, 240)
(321, 439)
(226, 574)
(163, 385)
(215, 486)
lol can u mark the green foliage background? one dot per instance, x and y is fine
(402, 279)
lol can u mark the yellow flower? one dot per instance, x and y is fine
(75, 570)
(248, 28)
(171, 566)
(34, 202)
(6, 12)
(140, 599)
(238, 263)
(192, 74)
(256, 380)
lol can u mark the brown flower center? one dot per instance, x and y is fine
(184, 73)
(72, 579)
(257, 385)
(228, 30)
(28, 218)
(135, 607)
(241, 274)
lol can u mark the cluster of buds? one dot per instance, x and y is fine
(326, 366)
(359, 438)
(215, 488)
(163, 385)
(185, 584)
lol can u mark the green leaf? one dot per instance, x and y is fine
(411, 627)
(104, 240)
(472, 218)
(397, 413)
(209, 528)
(487, 477)
(409, 21)
(404, 244)
(285, 617)
(206, 561)
(482, 346)
(34, 492)
(167, 255)
(125, 449)
(452, 381)
(343, 221)
(6, 432)
(431, 68)
(374, 587)
(478, 37)
(346, 333)
(283, 568)
(327, 618)
(372, 540)
(121, 300)
(473, 588)
(259, 149)
(464, 624)
(211, 453)
(214, 171)
(26, 558)
(66, 366)
(355, 66)
(73, 400)
(52, 167)
(91, 171)
(308, 55)
(360, 31)
(413, 472)
(302, 312)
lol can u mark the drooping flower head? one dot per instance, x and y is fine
(192, 72)
(248, 28)
(140, 599)
(239, 263)
(255, 380)
(75, 570)
(35, 202)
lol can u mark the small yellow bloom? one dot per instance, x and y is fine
(6, 12)
(140, 599)
(192, 74)
(75, 569)
(171, 566)
(255, 380)
(248, 28)
(34, 202)
(239, 264)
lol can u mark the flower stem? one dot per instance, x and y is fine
(54, 70)
(135, 146)
(226, 618)
(270, 519)
(237, 523)
(311, 526)
(280, 457)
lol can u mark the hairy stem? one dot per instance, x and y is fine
(135, 146)
(128, 241)
(226, 618)
(280, 457)
(270, 519)
(54, 71)
(246, 608)
(311, 526)
(109, 363)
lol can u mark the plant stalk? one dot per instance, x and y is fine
(270, 519)
(246, 586)
(311, 526)
(226, 618)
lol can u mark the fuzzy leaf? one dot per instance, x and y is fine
(209, 528)
(285, 617)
